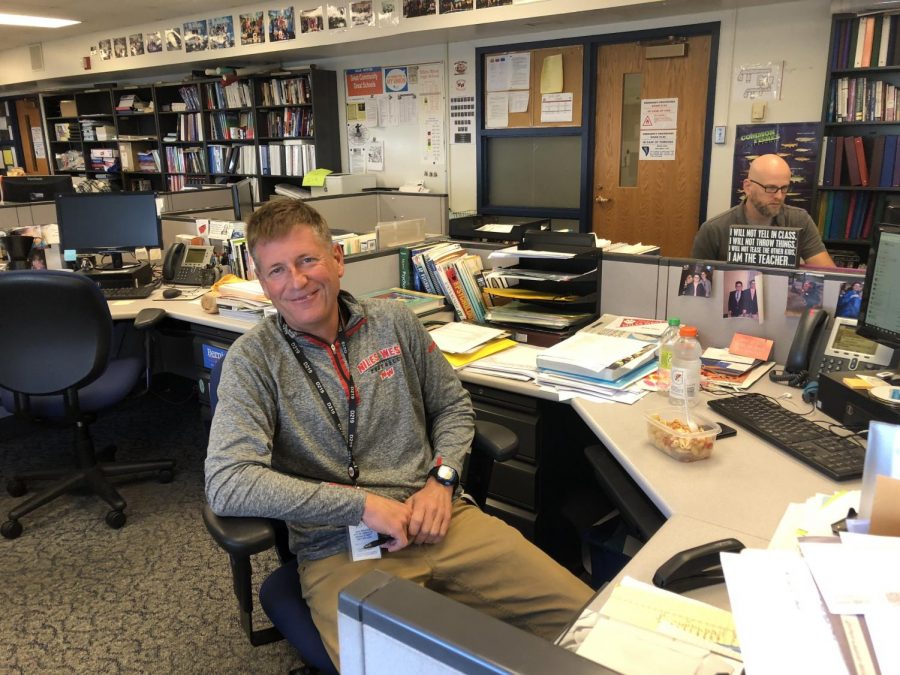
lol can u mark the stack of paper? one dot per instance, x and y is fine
(644, 630)
(463, 343)
(597, 366)
(516, 363)
(830, 608)
(243, 300)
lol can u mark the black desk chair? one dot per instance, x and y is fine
(55, 366)
(280, 595)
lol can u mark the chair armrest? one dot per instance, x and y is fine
(498, 441)
(239, 536)
(149, 317)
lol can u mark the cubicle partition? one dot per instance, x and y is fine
(361, 211)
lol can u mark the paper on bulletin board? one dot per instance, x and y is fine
(657, 145)
(552, 74)
(375, 156)
(37, 141)
(518, 101)
(659, 113)
(7, 157)
(556, 107)
(758, 81)
(388, 110)
(497, 110)
(431, 79)
(507, 72)
(407, 110)
(371, 116)
(433, 137)
(358, 159)
(356, 112)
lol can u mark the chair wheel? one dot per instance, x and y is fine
(16, 487)
(166, 476)
(11, 529)
(115, 519)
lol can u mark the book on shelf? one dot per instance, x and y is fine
(419, 303)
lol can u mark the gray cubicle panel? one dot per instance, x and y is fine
(433, 208)
(631, 285)
(388, 625)
(174, 224)
(218, 197)
(367, 272)
(360, 211)
(26, 215)
(356, 213)
(707, 313)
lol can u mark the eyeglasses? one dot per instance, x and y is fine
(771, 189)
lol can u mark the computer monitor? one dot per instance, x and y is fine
(110, 223)
(879, 314)
(23, 189)
(242, 198)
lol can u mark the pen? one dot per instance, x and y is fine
(382, 539)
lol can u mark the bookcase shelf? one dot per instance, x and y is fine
(221, 120)
(860, 171)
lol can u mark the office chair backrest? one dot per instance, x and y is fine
(55, 331)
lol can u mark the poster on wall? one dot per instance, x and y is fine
(364, 81)
(154, 42)
(195, 36)
(136, 44)
(795, 142)
(221, 32)
(337, 17)
(311, 20)
(173, 39)
(448, 6)
(414, 8)
(105, 47)
(361, 13)
(253, 32)
(281, 24)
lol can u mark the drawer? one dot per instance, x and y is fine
(514, 481)
(524, 521)
(524, 425)
(505, 399)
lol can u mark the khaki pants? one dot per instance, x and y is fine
(482, 562)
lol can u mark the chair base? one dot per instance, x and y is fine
(92, 479)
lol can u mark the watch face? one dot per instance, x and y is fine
(445, 472)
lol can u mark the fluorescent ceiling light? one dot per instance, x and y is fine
(34, 21)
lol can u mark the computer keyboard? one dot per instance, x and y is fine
(128, 292)
(836, 457)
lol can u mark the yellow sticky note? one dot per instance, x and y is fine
(315, 178)
(552, 74)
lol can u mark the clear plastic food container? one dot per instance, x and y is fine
(669, 431)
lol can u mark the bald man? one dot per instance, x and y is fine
(765, 187)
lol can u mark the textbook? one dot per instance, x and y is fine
(416, 301)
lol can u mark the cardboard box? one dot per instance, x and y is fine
(344, 183)
(68, 109)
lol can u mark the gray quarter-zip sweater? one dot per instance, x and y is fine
(274, 450)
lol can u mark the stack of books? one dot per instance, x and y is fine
(446, 269)
(105, 159)
(133, 103)
(243, 300)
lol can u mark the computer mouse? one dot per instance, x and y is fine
(170, 293)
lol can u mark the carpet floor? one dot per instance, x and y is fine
(152, 597)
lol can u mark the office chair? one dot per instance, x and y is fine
(56, 367)
(280, 595)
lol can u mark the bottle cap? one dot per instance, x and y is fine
(688, 331)
(674, 322)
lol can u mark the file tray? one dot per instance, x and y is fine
(510, 229)
(586, 261)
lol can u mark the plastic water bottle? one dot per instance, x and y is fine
(685, 384)
(666, 340)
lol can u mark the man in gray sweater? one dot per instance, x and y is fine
(341, 417)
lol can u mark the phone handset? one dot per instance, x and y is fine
(174, 256)
(806, 342)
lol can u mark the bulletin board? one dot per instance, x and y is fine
(572, 83)
(395, 123)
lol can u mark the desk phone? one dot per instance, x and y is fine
(843, 349)
(189, 265)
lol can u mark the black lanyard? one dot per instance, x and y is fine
(352, 468)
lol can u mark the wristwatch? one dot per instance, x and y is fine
(445, 475)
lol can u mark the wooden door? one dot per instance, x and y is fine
(646, 200)
(31, 132)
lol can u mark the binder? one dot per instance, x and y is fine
(852, 161)
(828, 176)
(861, 161)
(839, 161)
(877, 160)
(887, 164)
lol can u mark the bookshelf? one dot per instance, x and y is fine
(82, 135)
(860, 171)
(297, 123)
(171, 135)
(9, 155)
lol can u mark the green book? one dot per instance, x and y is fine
(405, 264)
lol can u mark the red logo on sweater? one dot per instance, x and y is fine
(381, 360)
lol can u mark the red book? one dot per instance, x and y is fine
(861, 161)
(852, 161)
(848, 224)
(838, 162)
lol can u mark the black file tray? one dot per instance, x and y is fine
(586, 258)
